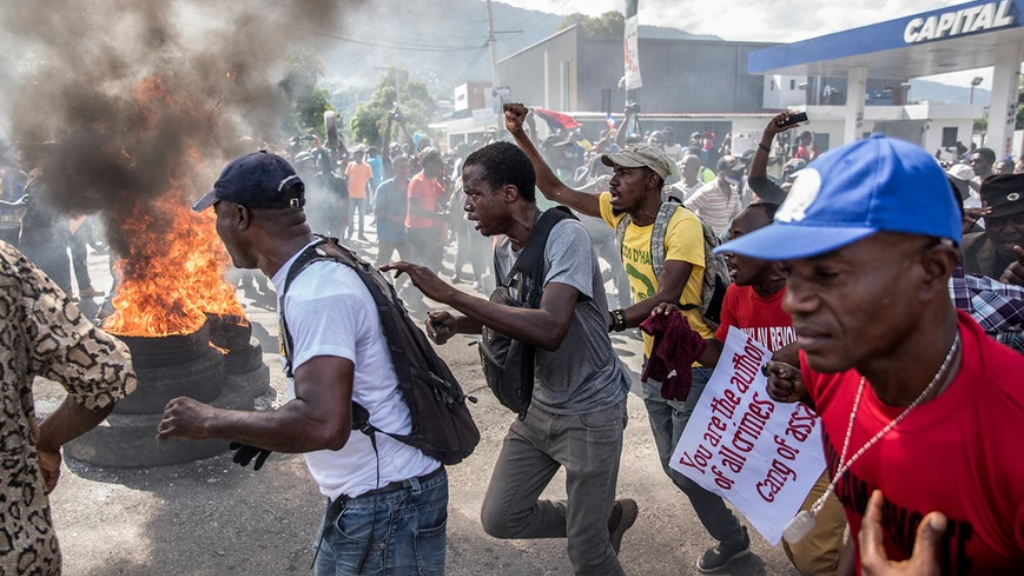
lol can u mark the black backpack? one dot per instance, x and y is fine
(442, 426)
(508, 364)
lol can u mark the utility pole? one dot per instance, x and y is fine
(492, 41)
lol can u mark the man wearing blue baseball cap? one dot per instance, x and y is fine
(391, 496)
(920, 410)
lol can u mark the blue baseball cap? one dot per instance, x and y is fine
(256, 180)
(875, 185)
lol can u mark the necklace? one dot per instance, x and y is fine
(805, 520)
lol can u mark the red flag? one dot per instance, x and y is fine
(557, 120)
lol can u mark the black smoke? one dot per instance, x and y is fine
(121, 101)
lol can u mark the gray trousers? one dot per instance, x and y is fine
(589, 447)
(668, 419)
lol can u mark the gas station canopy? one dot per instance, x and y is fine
(960, 37)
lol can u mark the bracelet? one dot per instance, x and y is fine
(762, 146)
(620, 320)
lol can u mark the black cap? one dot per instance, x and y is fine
(256, 180)
(1003, 193)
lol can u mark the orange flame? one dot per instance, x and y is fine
(173, 273)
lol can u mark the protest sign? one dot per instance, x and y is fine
(632, 53)
(761, 455)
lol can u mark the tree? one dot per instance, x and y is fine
(309, 100)
(611, 24)
(417, 106)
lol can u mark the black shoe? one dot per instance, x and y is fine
(627, 511)
(723, 553)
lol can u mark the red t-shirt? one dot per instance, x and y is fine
(761, 318)
(423, 192)
(959, 454)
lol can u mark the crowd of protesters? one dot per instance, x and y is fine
(897, 282)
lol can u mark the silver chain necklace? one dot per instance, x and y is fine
(805, 520)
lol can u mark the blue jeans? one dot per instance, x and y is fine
(409, 532)
(668, 419)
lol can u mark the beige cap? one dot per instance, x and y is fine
(640, 155)
(961, 172)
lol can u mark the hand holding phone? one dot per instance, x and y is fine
(794, 119)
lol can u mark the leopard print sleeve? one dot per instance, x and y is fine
(64, 346)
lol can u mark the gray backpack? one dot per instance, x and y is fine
(716, 273)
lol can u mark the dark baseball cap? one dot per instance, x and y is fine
(1003, 193)
(256, 180)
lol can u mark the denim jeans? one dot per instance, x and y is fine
(409, 533)
(589, 447)
(353, 222)
(668, 419)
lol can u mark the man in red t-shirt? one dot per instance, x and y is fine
(425, 223)
(753, 303)
(915, 401)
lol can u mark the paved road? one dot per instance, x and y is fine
(213, 518)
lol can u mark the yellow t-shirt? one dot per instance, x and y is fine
(684, 240)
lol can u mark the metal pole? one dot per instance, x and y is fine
(398, 89)
(492, 40)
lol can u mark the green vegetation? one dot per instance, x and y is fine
(608, 25)
(415, 103)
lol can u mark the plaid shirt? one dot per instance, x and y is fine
(997, 307)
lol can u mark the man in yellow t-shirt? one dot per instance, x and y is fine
(640, 171)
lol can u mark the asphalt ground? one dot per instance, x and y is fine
(212, 517)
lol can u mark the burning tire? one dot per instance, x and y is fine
(202, 379)
(257, 381)
(157, 352)
(243, 359)
(129, 440)
(245, 366)
(229, 332)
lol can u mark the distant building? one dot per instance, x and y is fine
(695, 85)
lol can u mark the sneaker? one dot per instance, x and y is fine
(624, 513)
(723, 553)
(91, 292)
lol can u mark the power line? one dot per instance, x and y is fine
(544, 16)
(378, 44)
(463, 77)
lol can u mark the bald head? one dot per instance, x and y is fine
(690, 167)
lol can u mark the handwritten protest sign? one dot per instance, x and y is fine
(761, 455)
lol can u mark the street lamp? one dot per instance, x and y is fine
(974, 82)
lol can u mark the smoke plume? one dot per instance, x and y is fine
(120, 101)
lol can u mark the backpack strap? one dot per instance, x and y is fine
(665, 213)
(307, 257)
(620, 233)
(318, 252)
(531, 259)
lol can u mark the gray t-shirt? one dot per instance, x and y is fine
(584, 375)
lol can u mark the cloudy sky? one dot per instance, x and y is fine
(763, 20)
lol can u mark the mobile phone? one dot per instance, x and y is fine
(794, 119)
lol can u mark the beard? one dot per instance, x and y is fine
(618, 211)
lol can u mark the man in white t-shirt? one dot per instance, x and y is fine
(339, 356)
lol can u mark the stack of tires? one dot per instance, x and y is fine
(169, 367)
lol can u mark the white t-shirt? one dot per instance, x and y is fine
(331, 313)
(675, 152)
